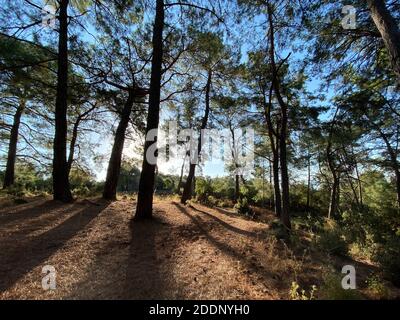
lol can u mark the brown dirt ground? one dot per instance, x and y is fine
(186, 253)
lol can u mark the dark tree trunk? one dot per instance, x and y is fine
(188, 190)
(72, 145)
(284, 174)
(237, 188)
(61, 187)
(285, 215)
(12, 147)
(393, 161)
(360, 187)
(389, 30)
(235, 159)
(277, 188)
(74, 137)
(308, 184)
(144, 208)
(274, 142)
(114, 165)
(334, 200)
(178, 190)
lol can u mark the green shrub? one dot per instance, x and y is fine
(279, 230)
(332, 289)
(296, 293)
(331, 241)
(243, 207)
(203, 190)
(376, 286)
(388, 255)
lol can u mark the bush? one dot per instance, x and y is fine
(243, 207)
(279, 230)
(332, 289)
(203, 190)
(331, 239)
(388, 256)
(296, 293)
(376, 286)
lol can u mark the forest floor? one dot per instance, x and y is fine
(187, 252)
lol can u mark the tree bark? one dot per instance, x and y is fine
(9, 175)
(61, 187)
(114, 165)
(308, 183)
(235, 159)
(188, 190)
(285, 215)
(334, 200)
(333, 205)
(74, 137)
(389, 30)
(178, 190)
(144, 208)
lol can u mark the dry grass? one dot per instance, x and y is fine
(185, 253)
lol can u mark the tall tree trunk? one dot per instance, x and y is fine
(389, 30)
(61, 187)
(334, 204)
(74, 137)
(235, 159)
(334, 200)
(114, 165)
(144, 208)
(12, 147)
(188, 190)
(285, 215)
(308, 183)
(360, 187)
(277, 188)
(178, 190)
(72, 145)
(393, 161)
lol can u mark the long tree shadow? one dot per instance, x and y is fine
(235, 253)
(143, 274)
(18, 260)
(28, 212)
(227, 225)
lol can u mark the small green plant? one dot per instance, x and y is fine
(332, 289)
(376, 286)
(296, 293)
(243, 207)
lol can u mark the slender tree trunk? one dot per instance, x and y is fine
(308, 184)
(360, 187)
(285, 215)
(178, 190)
(12, 147)
(114, 166)
(389, 30)
(285, 176)
(333, 205)
(235, 159)
(61, 187)
(188, 190)
(271, 184)
(393, 160)
(144, 208)
(334, 201)
(277, 188)
(72, 145)
(74, 137)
